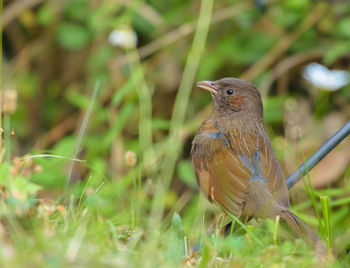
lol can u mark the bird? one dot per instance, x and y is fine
(235, 164)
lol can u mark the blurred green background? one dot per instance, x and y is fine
(128, 68)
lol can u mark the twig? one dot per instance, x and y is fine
(188, 28)
(16, 8)
(284, 43)
(144, 10)
(182, 31)
(286, 64)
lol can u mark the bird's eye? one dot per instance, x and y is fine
(229, 91)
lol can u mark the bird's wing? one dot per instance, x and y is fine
(226, 163)
(272, 172)
(256, 151)
(221, 174)
(258, 155)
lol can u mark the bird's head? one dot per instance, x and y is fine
(234, 97)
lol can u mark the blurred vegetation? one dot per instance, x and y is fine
(95, 166)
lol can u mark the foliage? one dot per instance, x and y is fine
(133, 200)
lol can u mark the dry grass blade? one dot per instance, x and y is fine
(286, 65)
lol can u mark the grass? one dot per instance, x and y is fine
(80, 136)
(87, 232)
(137, 220)
(325, 211)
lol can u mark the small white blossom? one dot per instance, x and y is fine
(124, 37)
(323, 78)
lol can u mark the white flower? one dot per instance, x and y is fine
(323, 78)
(123, 37)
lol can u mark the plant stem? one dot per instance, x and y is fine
(79, 139)
(325, 212)
(174, 141)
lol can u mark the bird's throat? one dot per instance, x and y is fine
(240, 123)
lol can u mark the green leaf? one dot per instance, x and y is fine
(122, 92)
(343, 28)
(22, 185)
(77, 99)
(72, 36)
(142, 25)
(45, 15)
(53, 175)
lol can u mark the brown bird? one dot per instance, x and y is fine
(234, 162)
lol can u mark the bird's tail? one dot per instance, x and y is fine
(305, 232)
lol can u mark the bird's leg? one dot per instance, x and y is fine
(218, 225)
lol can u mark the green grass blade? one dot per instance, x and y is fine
(326, 217)
(310, 190)
(275, 230)
(80, 137)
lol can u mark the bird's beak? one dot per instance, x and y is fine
(208, 85)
